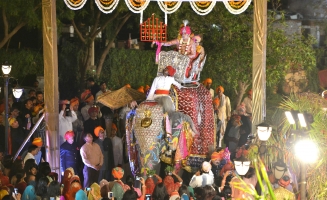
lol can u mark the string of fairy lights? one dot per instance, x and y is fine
(168, 7)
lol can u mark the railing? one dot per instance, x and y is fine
(29, 135)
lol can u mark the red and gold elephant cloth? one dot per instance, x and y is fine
(197, 103)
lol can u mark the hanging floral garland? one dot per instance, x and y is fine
(75, 4)
(202, 7)
(169, 7)
(237, 7)
(137, 6)
(107, 6)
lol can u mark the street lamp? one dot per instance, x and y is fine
(307, 152)
(242, 165)
(264, 131)
(17, 92)
(6, 69)
(279, 169)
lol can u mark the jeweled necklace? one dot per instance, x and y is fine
(187, 46)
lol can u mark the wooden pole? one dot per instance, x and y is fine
(259, 62)
(51, 99)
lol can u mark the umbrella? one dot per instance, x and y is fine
(120, 98)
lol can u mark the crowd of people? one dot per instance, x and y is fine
(94, 163)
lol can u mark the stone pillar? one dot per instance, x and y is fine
(51, 99)
(259, 62)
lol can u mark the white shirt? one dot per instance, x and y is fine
(65, 124)
(29, 156)
(162, 83)
(202, 180)
(117, 146)
(99, 93)
(212, 93)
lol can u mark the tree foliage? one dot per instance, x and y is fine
(17, 14)
(128, 66)
(24, 62)
(88, 22)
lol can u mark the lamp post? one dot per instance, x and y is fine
(309, 154)
(6, 70)
(305, 149)
(242, 164)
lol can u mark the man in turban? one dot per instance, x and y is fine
(107, 151)
(66, 119)
(217, 161)
(185, 44)
(38, 157)
(69, 154)
(224, 110)
(92, 158)
(117, 145)
(88, 98)
(207, 83)
(160, 89)
(93, 121)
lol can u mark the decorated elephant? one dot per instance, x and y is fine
(181, 138)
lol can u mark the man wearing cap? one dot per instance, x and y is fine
(207, 83)
(93, 121)
(65, 120)
(160, 89)
(202, 177)
(107, 151)
(69, 153)
(92, 86)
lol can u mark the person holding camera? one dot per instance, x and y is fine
(66, 118)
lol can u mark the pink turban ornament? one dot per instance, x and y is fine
(185, 29)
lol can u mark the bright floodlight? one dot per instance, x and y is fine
(302, 120)
(289, 117)
(17, 92)
(242, 167)
(6, 69)
(306, 150)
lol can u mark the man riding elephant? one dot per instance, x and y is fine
(185, 44)
(160, 89)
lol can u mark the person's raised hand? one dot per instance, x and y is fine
(142, 181)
